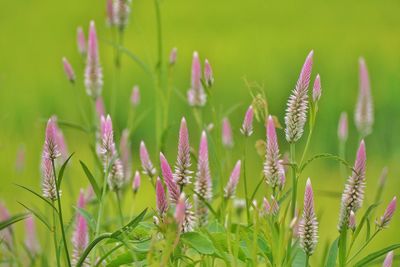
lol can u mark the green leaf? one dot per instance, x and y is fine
(62, 169)
(299, 259)
(72, 125)
(363, 219)
(12, 220)
(324, 156)
(91, 179)
(39, 196)
(342, 247)
(332, 255)
(88, 217)
(205, 202)
(376, 255)
(130, 226)
(41, 217)
(199, 242)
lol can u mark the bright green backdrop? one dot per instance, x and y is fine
(257, 40)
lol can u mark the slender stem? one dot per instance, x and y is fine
(365, 244)
(307, 260)
(121, 216)
(60, 214)
(55, 236)
(100, 213)
(306, 146)
(245, 182)
(91, 246)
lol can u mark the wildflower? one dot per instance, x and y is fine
(230, 188)
(60, 140)
(273, 169)
(173, 188)
(316, 94)
(352, 221)
(107, 145)
(247, 126)
(80, 237)
(353, 193)
(203, 186)
(173, 56)
(48, 180)
(147, 165)
(93, 71)
(51, 149)
(364, 113)
(182, 173)
(266, 206)
(196, 95)
(387, 216)
(31, 241)
(81, 41)
(161, 200)
(343, 127)
(121, 13)
(6, 235)
(308, 228)
(68, 70)
(274, 206)
(227, 137)
(126, 155)
(388, 259)
(297, 105)
(116, 178)
(135, 96)
(180, 210)
(110, 12)
(100, 109)
(136, 182)
(208, 74)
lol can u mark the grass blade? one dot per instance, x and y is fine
(62, 169)
(12, 220)
(376, 255)
(92, 180)
(39, 196)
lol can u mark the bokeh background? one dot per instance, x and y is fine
(257, 40)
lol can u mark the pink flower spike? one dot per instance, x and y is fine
(93, 71)
(68, 70)
(161, 200)
(227, 136)
(343, 127)
(51, 150)
(31, 241)
(317, 89)
(81, 41)
(266, 206)
(388, 259)
(182, 173)
(305, 74)
(110, 12)
(230, 188)
(136, 182)
(180, 210)
(100, 108)
(196, 94)
(80, 239)
(247, 126)
(107, 147)
(387, 216)
(173, 188)
(121, 13)
(173, 56)
(208, 74)
(81, 200)
(147, 165)
(48, 182)
(126, 155)
(6, 235)
(135, 96)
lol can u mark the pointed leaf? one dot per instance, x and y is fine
(376, 255)
(62, 169)
(332, 255)
(39, 196)
(199, 242)
(91, 179)
(12, 220)
(41, 217)
(130, 226)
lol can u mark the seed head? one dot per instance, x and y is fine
(136, 182)
(48, 181)
(352, 221)
(51, 147)
(80, 237)
(173, 56)
(316, 94)
(126, 155)
(135, 96)
(121, 13)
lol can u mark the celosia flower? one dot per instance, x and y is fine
(68, 70)
(48, 181)
(51, 148)
(136, 182)
(121, 13)
(80, 237)
(388, 259)
(107, 145)
(230, 187)
(266, 206)
(126, 155)
(316, 94)
(61, 144)
(100, 109)
(274, 206)
(147, 165)
(173, 189)
(297, 105)
(203, 185)
(173, 56)
(116, 178)
(353, 193)
(227, 136)
(93, 71)
(135, 96)
(247, 126)
(161, 199)
(110, 12)
(81, 41)
(352, 221)
(273, 169)
(180, 210)
(208, 74)
(364, 113)
(308, 228)
(343, 127)
(31, 241)
(387, 216)
(6, 235)
(182, 173)
(196, 95)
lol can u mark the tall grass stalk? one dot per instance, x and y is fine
(245, 181)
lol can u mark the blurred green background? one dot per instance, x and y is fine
(258, 40)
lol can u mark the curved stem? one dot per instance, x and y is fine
(55, 237)
(91, 246)
(365, 244)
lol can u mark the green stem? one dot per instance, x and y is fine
(120, 213)
(60, 214)
(55, 236)
(365, 244)
(245, 182)
(91, 246)
(306, 146)
(307, 260)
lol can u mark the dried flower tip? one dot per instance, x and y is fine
(343, 127)
(135, 96)
(352, 221)
(239, 205)
(247, 126)
(173, 56)
(68, 70)
(297, 105)
(208, 74)
(230, 187)
(182, 173)
(364, 113)
(161, 199)
(196, 94)
(316, 94)
(387, 216)
(81, 41)
(93, 71)
(173, 189)
(227, 136)
(147, 165)
(388, 259)
(308, 228)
